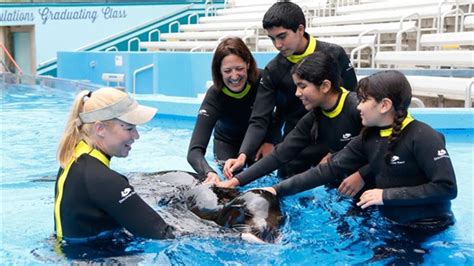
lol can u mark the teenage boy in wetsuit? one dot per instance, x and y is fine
(276, 102)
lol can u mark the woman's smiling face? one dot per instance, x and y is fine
(234, 72)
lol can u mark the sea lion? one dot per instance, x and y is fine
(256, 212)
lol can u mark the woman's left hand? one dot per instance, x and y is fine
(371, 197)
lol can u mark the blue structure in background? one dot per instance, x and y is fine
(182, 74)
(35, 32)
(174, 81)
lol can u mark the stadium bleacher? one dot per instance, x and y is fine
(400, 34)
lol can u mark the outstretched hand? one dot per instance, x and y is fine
(232, 183)
(326, 158)
(232, 165)
(351, 185)
(371, 197)
(212, 178)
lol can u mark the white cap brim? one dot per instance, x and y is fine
(139, 115)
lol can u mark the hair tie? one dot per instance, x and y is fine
(87, 96)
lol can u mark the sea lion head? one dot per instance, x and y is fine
(255, 211)
(207, 200)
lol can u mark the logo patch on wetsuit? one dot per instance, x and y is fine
(349, 66)
(441, 154)
(396, 160)
(126, 193)
(203, 112)
(346, 137)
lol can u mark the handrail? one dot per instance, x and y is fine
(417, 102)
(208, 6)
(398, 38)
(456, 19)
(467, 94)
(193, 15)
(171, 25)
(134, 76)
(253, 28)
(196, 48)
(130, 43)
(357, 50)
(153, 31)
(20, 71)
(111, 48)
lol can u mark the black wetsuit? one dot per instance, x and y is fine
(228, 115)
(333, 128)
(91, 201)
(417, 185)
(277, 89)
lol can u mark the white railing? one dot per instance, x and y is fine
(135, 73)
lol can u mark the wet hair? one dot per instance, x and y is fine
(284, 14)
(235, 46)
(75, 131)
(393, 85)
(318, 67)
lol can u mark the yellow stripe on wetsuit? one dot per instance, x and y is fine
(237, 95)
(388, 131)
(309, 50)
(336, 111)
(81, 148)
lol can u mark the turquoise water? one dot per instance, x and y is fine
(320, 228)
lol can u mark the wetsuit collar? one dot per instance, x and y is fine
(83, 148)
(337, 109)
(237, 95)
(309, 50)
(388, 131)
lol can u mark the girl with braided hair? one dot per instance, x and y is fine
(414, 176)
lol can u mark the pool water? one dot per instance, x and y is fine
(320, 226)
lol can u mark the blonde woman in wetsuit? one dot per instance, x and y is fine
(93, 201)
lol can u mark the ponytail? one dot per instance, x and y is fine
(73, 132)
(400, 115)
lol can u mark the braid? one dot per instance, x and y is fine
(395, 136)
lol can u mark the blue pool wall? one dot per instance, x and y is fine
(181, 74)
(440, 118)
(177, 81)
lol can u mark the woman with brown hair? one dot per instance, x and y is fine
(226, 108)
